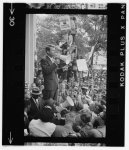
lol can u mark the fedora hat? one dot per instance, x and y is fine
(36, 91)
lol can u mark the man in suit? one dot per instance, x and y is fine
(49, 70)
(34, 109)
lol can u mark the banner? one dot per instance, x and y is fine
(82, 65)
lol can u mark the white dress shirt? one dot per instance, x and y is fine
(38, 128)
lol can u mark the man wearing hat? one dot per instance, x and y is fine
(34, 109)
(49, 70)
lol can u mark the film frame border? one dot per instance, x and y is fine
(114, 105)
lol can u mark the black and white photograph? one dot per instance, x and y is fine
(67, 93)
(66, 80)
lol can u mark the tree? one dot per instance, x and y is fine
(91, 29)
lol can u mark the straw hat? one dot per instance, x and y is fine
(36, 91)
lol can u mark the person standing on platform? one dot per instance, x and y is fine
(49, 70)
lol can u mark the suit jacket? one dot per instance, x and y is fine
(49, 73)
(34, 111)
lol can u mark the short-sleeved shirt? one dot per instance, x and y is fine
(38, 128)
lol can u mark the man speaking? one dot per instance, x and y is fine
(49, 70)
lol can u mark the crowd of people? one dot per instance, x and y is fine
(62, 107)
(85, 119)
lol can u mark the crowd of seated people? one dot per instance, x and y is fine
(86, 118)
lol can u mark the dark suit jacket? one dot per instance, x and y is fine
(34, 111)
(49, 73)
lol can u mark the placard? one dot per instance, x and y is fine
(82, 65)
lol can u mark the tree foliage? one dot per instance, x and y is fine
(91, 29)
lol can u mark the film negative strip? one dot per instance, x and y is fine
(103, 25)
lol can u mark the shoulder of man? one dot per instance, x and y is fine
(44, 59)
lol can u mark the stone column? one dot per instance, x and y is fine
(30, 47)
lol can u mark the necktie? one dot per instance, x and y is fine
(37, 102)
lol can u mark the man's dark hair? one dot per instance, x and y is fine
(86, 117)
(98, 122)
(63, 113)
(46, 114)
(99, 108)
(74, 18)
(47, 49)
(39, 72)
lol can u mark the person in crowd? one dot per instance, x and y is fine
(34, 109)
(43, 127)
(48, 101)
(27, 106)
(84, 119)
(96, 107)
(87, 129)
(27, 94)
(98, 130)
(39, 79)
(66, 130)
(49, 70)
(33, 85)
(74, 69)
(100, 120)
(74, 27)
(93, 133)
(62, 70)
(99, 124)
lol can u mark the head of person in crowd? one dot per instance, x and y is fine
(83, 118)
(27, 94)
(46, 114)
(26, 87)
(76, 127)
(35, 93)
(103, 102)
(78, 106)
(33, 85)
(76, 88)
(84, 90)
(84, 99)
(39, 74)
(75, 93)
(100, 120)
(64, 46)
(39, 83)
(64, 113)
(103, 115)
(50, 102)
(98, 108)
